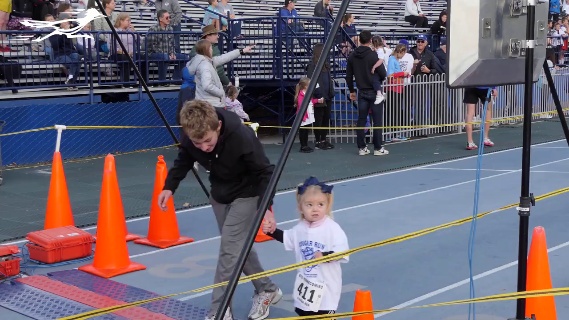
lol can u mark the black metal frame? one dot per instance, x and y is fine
(146, 89)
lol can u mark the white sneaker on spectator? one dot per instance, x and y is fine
(364, 151)
(380, 152)
(379, 98)
(488, 143)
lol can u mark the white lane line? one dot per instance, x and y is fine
(334, 183)
(353, 207)
(461, 283)
(464, 169)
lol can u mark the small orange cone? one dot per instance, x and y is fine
(163, 229)
(261, 236)
(58, 213)
(111, 252)
(539, 278)
(363, 302)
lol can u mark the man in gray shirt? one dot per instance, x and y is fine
(175, 11)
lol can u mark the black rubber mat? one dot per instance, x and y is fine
(23, 195)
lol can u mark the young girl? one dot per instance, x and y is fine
(232, 104)
(317, 288)
(308, 117)
(383, 53)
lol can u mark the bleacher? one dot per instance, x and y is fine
(385, 18)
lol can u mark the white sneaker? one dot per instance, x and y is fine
(364, 151)
(262, 302)
(227, 316)
(379, 98)
(380, 152)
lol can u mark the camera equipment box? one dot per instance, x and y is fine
(9, 263)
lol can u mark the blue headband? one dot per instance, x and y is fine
(312, 181)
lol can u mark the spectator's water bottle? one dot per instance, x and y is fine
(236, 81)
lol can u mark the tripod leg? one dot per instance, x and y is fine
(556, 100)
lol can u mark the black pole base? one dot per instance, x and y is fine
(532, 318)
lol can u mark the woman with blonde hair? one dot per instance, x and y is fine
(124, 29)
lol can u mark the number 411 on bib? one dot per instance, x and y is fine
(308, 293)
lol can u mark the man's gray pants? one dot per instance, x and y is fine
(234, 221)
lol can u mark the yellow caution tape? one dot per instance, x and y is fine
(500, 120)
(327, 258)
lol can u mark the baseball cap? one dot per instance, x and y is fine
(443, 41)
(288, 1)
(405, 42)
(422, 37)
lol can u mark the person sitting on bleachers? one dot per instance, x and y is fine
(124, 26)
(65, 52)
(289, 26)
(439, 27)
(41, 8)
(323, 9)
(211, 18)
(351, 33)
(102, 26)
(160, 47)
(414, 14)
(175, 11)
(225, 8)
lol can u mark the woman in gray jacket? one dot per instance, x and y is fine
(202, 67)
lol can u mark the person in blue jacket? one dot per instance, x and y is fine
(471, 98)
(554, 10)
(187, 91)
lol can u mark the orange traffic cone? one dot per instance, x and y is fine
(261, 236)
(111, 252)
(539, 278)
(58, 213)
(363, 302)
(163, 229)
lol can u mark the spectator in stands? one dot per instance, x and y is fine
(441, 55)
(395, 89)
(210, 33)
(227, 9)
(5, 10)
(160, 47)
(202, 67)
(87, 47)
(471, 97)
(565, 8)
(66, 7)
(439, 27)
(102, 26)
(425, 64)
(124, 28)
(350, 29)
(291, 26)
(175, 11)
(360, 63)
(211, 16)
(308, 116)
(324, 90)
(323, 9)
(187, 91)
(41, 8)
(554, 9)
(65, 52)
(406, 63)
(414, 14)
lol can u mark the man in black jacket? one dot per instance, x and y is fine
(239, 175)
(360, 64)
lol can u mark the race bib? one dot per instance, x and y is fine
(309, 293)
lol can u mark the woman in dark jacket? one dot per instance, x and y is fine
(324, 89)
(439, 27)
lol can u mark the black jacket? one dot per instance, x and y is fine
(325, 87)
(360, 63)
(427, 58)
(238, 165)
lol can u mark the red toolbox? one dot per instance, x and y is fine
(59, 244)
(9, 263)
